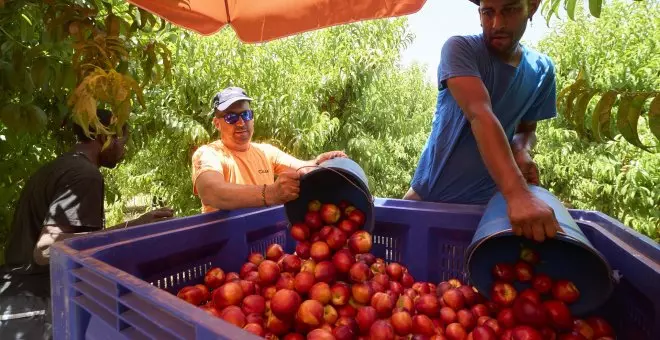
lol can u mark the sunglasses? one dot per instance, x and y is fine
(232, 118)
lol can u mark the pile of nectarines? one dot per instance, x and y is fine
(541, 311)
(332, 287)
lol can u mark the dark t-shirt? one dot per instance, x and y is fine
(68, 191)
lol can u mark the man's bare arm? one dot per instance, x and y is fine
(295, 164)
(472, 96)
(156, 215)
(216, 192)
(528, 214)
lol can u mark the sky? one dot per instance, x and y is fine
(440, 19)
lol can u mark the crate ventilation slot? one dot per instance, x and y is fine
(191, 274)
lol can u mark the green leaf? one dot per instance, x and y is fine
(630, 108)
(565, 91)
(602, 115)
(654, 117)
(144, 17)
(26, 28)
(578, 84)
(554, 8)
(28, 85)
(11, 116)
(124, 27)
(163, 24)
(135, 21)
(570, 8)
(18, 59)
(6, 47)
(68, 77)
(108, 6)
(133, 28)
(39, 72)
(580, 108)
(621, 118)
(595, 7)
(122, 67)
(8, 74)
(576, 89)
(62, 111)
(152, 21)
(36, 119)
(57, 76)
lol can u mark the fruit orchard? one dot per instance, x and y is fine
(337, 88)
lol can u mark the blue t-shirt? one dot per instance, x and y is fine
(450, 168)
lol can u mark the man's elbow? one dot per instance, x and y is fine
(206, 200)
(481, 117)
(206, 193)
(207, 197)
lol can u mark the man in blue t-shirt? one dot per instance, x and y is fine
(492, 91)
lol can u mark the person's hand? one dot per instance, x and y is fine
(329, 155)
(532, 217)
(157, 215)
(286, 188)
(527, 166)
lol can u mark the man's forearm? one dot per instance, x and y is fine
(497, 156)
(125, 224)
(118, 226)
(231, 196)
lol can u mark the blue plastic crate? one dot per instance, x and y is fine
(117, 285)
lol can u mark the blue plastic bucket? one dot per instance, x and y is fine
(332, 181)
(568, 256)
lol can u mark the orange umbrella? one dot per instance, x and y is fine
(263, 20)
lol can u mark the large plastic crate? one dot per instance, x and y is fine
(118, 285)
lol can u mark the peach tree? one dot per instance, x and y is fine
(59, 60)
(602, 151)
(599, 103)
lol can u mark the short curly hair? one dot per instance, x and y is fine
(105, 117)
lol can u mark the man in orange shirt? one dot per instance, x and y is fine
(234, 172)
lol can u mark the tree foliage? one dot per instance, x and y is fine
(615, 70)
(550, 7)
(62, 59)
(603, 170)
(338, 88)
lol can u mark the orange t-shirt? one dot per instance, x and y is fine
(256, 166)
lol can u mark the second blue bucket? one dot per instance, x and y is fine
(568, 256)
(334, 180)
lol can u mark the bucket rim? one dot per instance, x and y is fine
(560, 236)
(350, 174)
(609, 284)
(365, 190)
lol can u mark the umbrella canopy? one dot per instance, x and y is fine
(264, 20)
